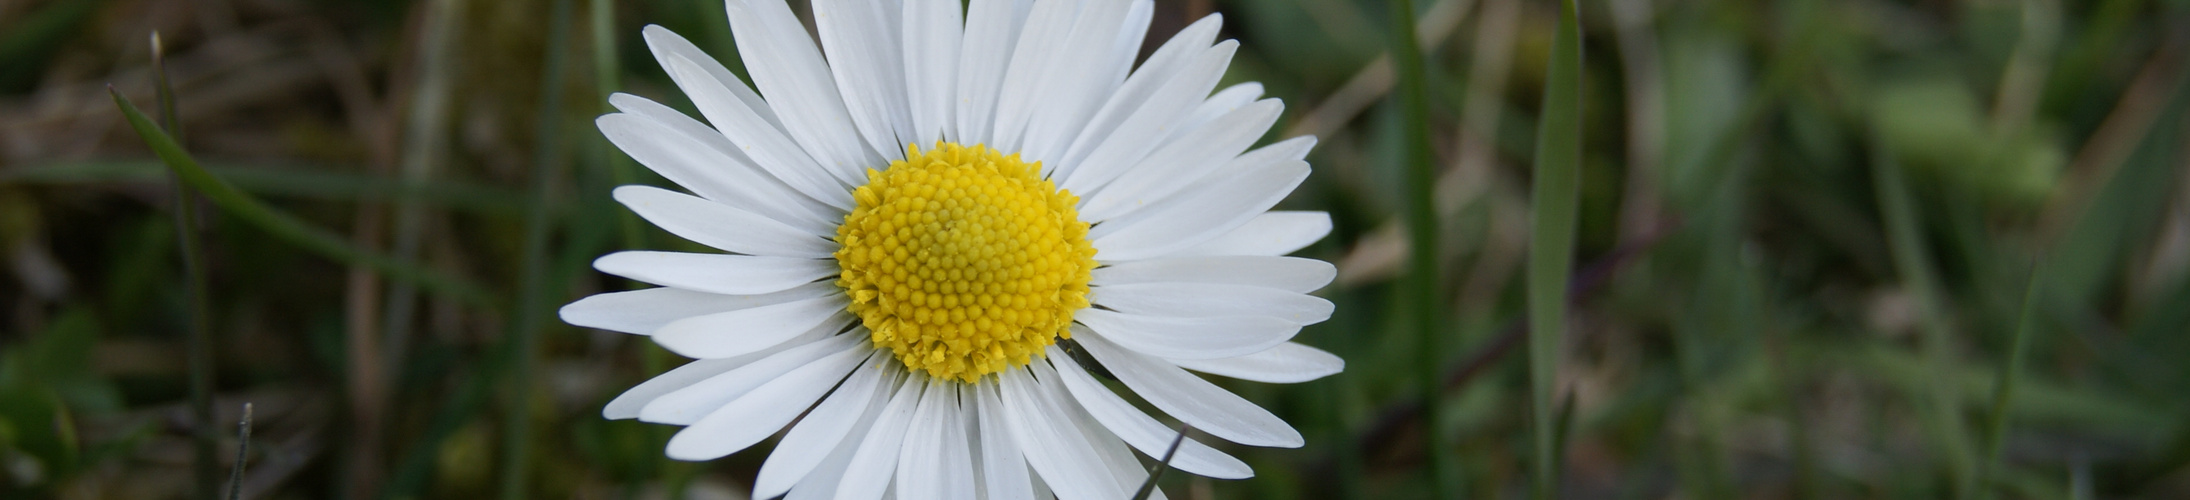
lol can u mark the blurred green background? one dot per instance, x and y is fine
(1806, 233)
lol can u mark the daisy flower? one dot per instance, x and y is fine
(938, 225)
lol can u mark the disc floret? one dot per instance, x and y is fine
(964, 261)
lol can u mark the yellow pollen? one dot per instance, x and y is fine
(964, 261)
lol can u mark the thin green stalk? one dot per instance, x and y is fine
(606, 64)
(287, 227)
(1555, 198)
(198, 350)
(1155, 472)
(243, 455)
(1904, 235)
(2003, 389)
(533, 277)
(425, 137)
(608, 78)
(310, 181)
(1420, 284)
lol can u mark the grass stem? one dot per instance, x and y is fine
(2003, 389)
(1155, 472)
(1420, 284)
(284, 226)
(1940, 405)
(608, 79)
(1554, 200)
(533, 278)
(198, 350)
(243, 455)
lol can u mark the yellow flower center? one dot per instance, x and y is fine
(964, 261)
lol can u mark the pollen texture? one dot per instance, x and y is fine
(964, 261)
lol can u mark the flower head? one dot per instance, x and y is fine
(922, 214)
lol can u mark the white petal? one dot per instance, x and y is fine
(1284, 273)
(826, 476)
(992, 30)
(760, 413)
(627, 405)
(688, 405)
(1273, 233)
(1116, 458)
(1020, 95)
(1140, 430)
(1148, 184)
(932, 32)
(664, 44)
(1126, 46)
(769, 148)
(804, 447)
(716, 273)
(1162, 67)
(702, 160)
(734, 333)
(821, 482)
(866, 54)
(640, 312)
(1151, 121)
(752, 184)
(935, 463)
(1003, 467)
(922, 443)
(1053, 448)
(1208, 337)
(1218, 104)
(721, 226)
(1083, 74)
(1183, 162)
(1287, 363)
(1193, 400)
(1202, 213)
(873, 465)
(790, 72)
(1041, 489)
(1197, 300)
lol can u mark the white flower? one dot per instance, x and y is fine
(916, 227)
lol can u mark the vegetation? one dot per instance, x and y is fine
(1820, 249)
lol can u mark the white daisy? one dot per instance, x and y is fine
(916, 227)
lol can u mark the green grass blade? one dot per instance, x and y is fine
(288, 227)
(631, 232)
(2003, 390)
(243, 455)
(1419, 284)
(533, 286)
(1939, 403)
(198, 347)
(607, 80)
(1554, 201)
(284, 179)
(1155, 472)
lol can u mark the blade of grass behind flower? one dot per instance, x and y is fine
(607, 80)
(533, 285)
(1156, 471)
(2003, 391)
(243, 455)
(301, 180)
(1554, 200)
(198, 347)
(1419, 284)
(425, 136)
(1938, 402)
(285, 226)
